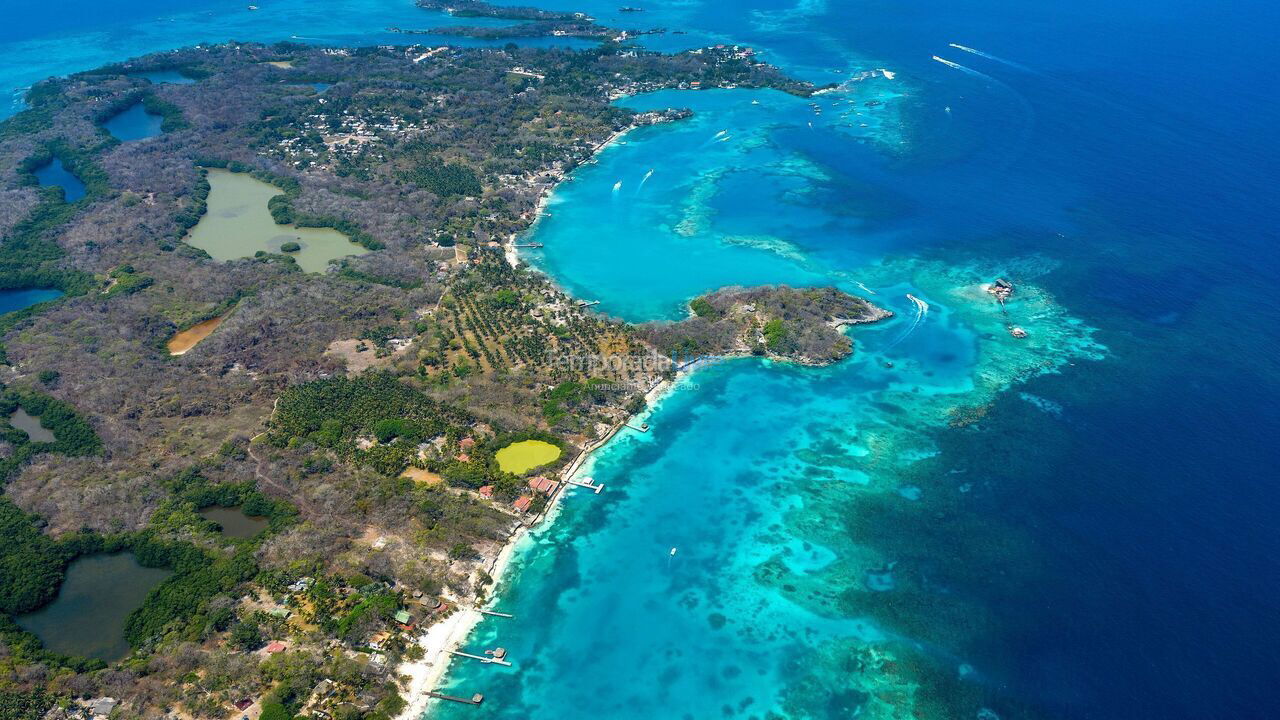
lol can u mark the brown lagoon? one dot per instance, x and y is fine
(234, 522)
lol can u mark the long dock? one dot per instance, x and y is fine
(482, 658)
(589, 484)
(528, 245)
(475, 699)
(496, 613)
(642, 427)
(587, 303)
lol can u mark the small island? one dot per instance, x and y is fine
(792, 324)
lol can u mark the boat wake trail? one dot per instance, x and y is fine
(644, 179)
(989, 56)
(922, 312)
(617, 187)
(963, 69)
(1024, 133)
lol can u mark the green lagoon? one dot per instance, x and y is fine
(87, 617)
(523, 456)
(237, 224)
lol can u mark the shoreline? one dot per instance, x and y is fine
(448, 635)
(510, 251)
(443, 637)
(451, 633)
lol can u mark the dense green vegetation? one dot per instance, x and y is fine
(775, 335)
(197, 579)
(443, 179)
(29, 250)
(345, 270)
(31, 564)
(702, 308)
(332, 413)
(28, 253)
(126, 281)
(32, 705)
(73, 435)
(192, 492)
(172, 119)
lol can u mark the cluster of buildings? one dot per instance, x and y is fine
(539, 485)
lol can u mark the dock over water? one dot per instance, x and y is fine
(588, 483)
(474, 700)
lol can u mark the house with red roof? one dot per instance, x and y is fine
(486, 491)
(542, 484)
(522, 503)
(275, 647)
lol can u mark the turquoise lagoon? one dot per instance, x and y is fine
(134, 123)
(11, 300)
(54, 174)
(166, 77)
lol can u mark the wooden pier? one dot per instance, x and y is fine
(642, 427)
(589, 484)
(496, 614)
(474, 700)
(528, 245)
(491, 659)
(587, 303)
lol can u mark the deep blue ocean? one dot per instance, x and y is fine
(954, 523)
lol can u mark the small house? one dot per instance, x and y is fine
(276, 647)
(486, 491)
(102, 707)
(522, 503)
(542, 484)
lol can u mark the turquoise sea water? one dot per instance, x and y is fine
(988, 528)
(43, 40)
